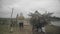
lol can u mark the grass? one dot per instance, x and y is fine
(49, 29)
(52, 29)
(3, 29)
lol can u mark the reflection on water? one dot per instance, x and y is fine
(56, 23)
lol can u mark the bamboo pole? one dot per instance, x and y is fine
(11, 24)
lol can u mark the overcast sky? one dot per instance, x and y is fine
(27, 6)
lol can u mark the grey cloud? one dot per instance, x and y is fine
(26, 6)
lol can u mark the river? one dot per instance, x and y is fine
(56, 23)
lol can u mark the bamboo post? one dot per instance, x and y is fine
(11, 24)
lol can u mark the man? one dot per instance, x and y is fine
(41, 24)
